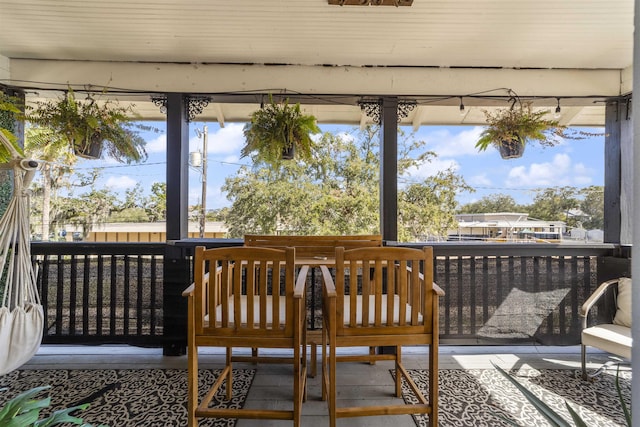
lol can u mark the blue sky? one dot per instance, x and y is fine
(577, 163)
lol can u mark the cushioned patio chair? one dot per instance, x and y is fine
(381, 297)
(246, 297)
(612, 335)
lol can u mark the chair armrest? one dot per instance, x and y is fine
(438, 290)
(301, 282)
(329, 286)
(189, 291)
(595, 296)
(192, 287)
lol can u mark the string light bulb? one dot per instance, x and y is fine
(558, 109)
(461, 107)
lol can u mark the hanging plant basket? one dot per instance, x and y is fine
(510, 129)
(92, 149)
(288, 153)
(511, 149)
(279, 131)
(92, 127)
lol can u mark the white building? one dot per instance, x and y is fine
(506, 226)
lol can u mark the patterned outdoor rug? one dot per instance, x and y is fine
(479, 397)
(127, 397)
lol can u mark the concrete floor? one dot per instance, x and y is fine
(359, 383)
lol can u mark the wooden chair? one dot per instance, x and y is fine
(313, 247)
(245, 297)
(381, 297)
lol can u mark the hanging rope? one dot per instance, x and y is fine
(21, 313)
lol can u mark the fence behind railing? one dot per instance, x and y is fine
(113, 292)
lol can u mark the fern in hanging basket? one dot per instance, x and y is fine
(9, 112)
(92, 128)
(276, 130)
(509, 130)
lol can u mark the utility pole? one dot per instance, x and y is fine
(203, 201)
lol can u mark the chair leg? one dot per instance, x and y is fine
(304, 361)
(297, 391)
(584, 362)
(230, 374)
(433, 383)
(332, 385)
(314, 359)
(398, 373)
(324, 364)
(192, 385)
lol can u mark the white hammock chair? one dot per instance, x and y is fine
(21, 314)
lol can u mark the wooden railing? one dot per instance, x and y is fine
(495, 293)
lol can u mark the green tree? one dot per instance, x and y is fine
(156, 204)
(88, 209)
(135, 214)
(592, 207)
(267, 201)
(555, 204)
(56, 164)
(493, 203)
(132, 209)
(336, 192)
(425, 209)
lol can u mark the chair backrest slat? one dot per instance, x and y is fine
(392, 273)
(384, 288)
(249, 291)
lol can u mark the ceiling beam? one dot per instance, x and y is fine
(626, 80)
(568, 113)
(219, 113)
(292, 79)
(5, 72)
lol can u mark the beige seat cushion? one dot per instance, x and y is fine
(614, 339)
(256, 310)
(372, 302)
(623, 313)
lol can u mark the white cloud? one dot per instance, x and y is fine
(447, 144)
(226, 140)
(559, 171)
(121, 182)
(157, 144)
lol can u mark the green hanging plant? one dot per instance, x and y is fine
(9, 112)
(277, 131)
(93, 128)
(509, 130)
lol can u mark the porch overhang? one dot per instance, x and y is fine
(434, 52)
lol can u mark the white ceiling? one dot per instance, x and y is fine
(433, 51)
